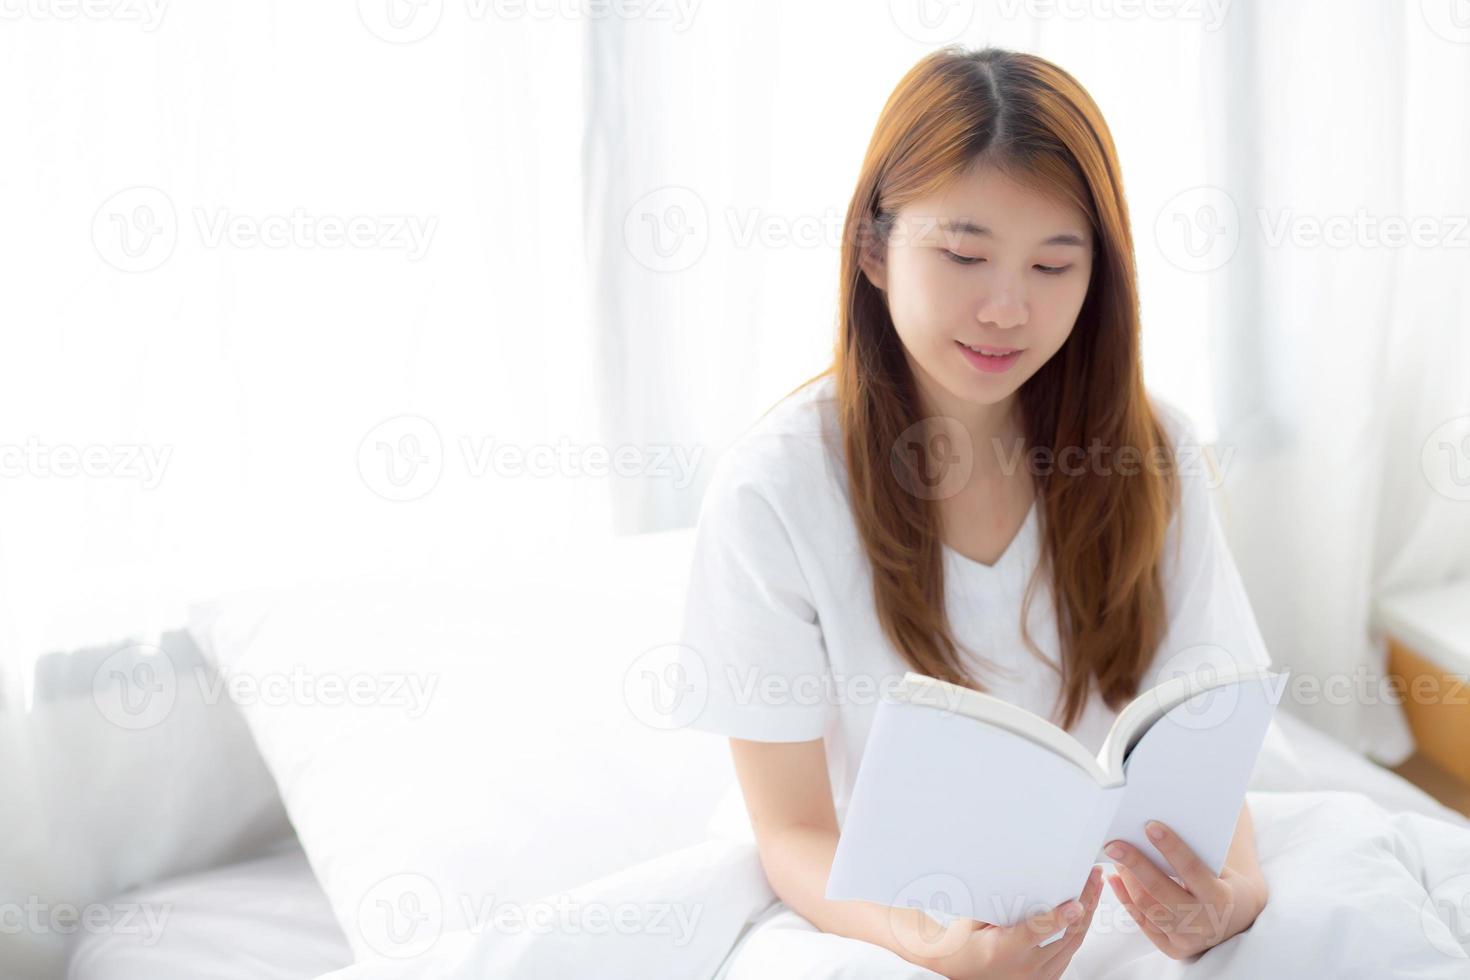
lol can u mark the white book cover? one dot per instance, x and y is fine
(967, 805)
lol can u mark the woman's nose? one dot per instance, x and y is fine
(1003, 310)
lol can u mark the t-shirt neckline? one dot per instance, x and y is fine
(1009, 556)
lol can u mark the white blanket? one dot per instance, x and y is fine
(1368, 878)
(1355, 892)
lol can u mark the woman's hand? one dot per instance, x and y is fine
(1185, 921)
(982, 951)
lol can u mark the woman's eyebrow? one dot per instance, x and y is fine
(964, 226)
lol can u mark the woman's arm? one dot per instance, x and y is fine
(789, 797)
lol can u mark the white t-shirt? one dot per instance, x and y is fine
(781, 635)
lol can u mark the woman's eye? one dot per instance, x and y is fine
(1050, 270)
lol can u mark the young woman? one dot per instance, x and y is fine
(980, 489)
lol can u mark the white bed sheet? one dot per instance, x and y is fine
(265, 919)
(269, 918)
(1370, 879)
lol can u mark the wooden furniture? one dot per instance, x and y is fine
(1428, 634)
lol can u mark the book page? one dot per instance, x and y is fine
(1190, 770)
(921, 689)
(1143, 711)
(952, 814)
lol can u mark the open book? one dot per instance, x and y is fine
(967, 805)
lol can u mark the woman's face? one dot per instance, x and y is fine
(989, 265)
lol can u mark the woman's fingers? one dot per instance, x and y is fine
(1161, 915)
(1156, 935)
(1066, 948)
(1090, 897)
(1159, 885)
(1198, 878)
(1026, 935)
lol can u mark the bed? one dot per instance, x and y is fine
(262, 919)
(268, 918)
(502, 787)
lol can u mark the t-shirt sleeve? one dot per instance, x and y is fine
(751, 636)
(1210, 622)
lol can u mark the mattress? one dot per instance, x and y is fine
(265, 919)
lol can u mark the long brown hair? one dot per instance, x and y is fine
(1102, 534)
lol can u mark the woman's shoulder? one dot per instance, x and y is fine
(1195, 458)
(1177, 424)
(1198, 467)
(791, 453)
(802, 414)
(793, 434)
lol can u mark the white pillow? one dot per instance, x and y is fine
(445, 749)
(108, 788)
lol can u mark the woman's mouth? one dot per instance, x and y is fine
(991, 360)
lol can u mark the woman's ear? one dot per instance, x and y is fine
(875, 266)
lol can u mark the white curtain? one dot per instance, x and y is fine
(1342, 344)
(297, 291)
(307, 281)
(1321, 371)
